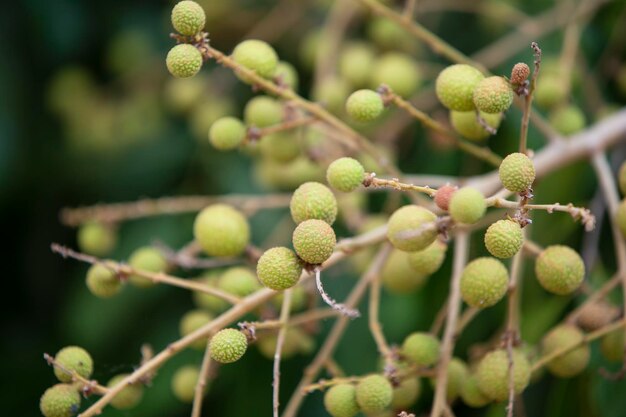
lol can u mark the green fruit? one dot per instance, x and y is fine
(227, 133)
(621, 177)
(559, 269)
(517, 172)
(467, 205)
(288, 176)
(421, 349)
(550, 91)
(428, 261)
(472, 395)
(228, 345)
(484, 282)
(340, 401)
(412, 228)
(222, 231)
(257, 56)
(313, 200)
(567, 120)
(620, 217)
(387, 34)
(102, 282)
(129, 396)
(184, 383)
(444, 195)
(612, 346)
(332, 93)
(279, 268)
(314, 241)
(466, 124)
(397, 275)
(192, 321)
(492, 374)
(239, 281)
(287, 75)
(61, 400)
(345, 174)
(355, 63)
(146, 259)
(73, 359)
(183, 61)
(398, 71)
(296, 341)
(374, 393)
(96, 239)
(281, 147)
(504, 238)
(457, 374)
(263, 111)
(493, 95)
(188, 17)
(571, 363)
(210, 302)
(406, 394)
(364, 105)
(455, 85)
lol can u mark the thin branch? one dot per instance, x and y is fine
(280, 341)
(528, 98)
(342, 308)
(374, 324)
(88, 386)
(203, 376)
(256, 133)
(372, 181)
(598, 295)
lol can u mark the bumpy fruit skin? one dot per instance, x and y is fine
(397, 275)
(192, 321)
(467, 205)
(567, 120)
(620, 217)
(279, 268)
(466, 124)
(222, 230)
(258, 56)
(612, 346)
(96, 238)
(340, 401)
(455, 85)
(517, 172)
(492, 374)
(147, 259)
(61, 400)
(504, 238)
(421, 349)
(364, 105)
(484, 282)
(227, 133)
(472, 395)
(184, 383)
(128, 397)
(102, 282)
(519, 73)
(73, 358)
(374, 393)
(493, 95)
(571, 363)
(406, 394)
(428, 261)
(398, 71)
(345, 174)
(188, 17)
(444, 195)
(313, 200)
(228, 345)
(410, 228)
(184, 61)
(263, 111)
(314, 241)
(559, 269)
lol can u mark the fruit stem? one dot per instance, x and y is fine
(280, 341)
(528, 98)
(205, 370)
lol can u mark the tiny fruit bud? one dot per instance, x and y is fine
(519, 73)
(444, 195)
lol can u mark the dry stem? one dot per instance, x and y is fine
(280, 341)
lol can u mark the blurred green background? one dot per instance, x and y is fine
(88, 114)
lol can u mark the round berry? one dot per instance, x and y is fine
(73, 359)
(314, 241)
(146, 259)
(612, 346)
(620, 217)
(455, 85)
(396, 70)
(406, 393)
(444, 195)
(421, 349)
(364, 105)
(559, 269)
(286, 75)
(493, 95)
(188, 17)
(263, 111)
(340, 401)
(519, 73)
(184, 383)
(240, 281)
(279, 268)
(457, 374)
(466, 124)
(208, 301)
(484, 282)
(471, 393)
(428, 261)
(129, 396)
(184, 61)
(550, 91)
(221, 230)
(102, 282)
(61, 400)
(397, 275)
(355, 63)
(332, 92)
(412, 228)
(573, 362)
(192, 321)
(313, 200)
(567, 120)
(467, 205)
(374, 393)
(621, 178)
(504, 238)
(257, 56)
(492, 374)
(96, 238)
(296, 341)
(517, 172)
(227, 133)
(281, 147)
(345, 174)
(228, 345)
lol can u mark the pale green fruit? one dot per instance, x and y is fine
(466, 124)
(355, 63)
(406, 394)
(421, 349)
(573, 362)
(412, 228)
(567, 120)
(184, 61)
(227, 133)
(102, 282)
(222, 231)
(345, 174)
(188, 17)
(455, 86)
(612, 346)
(314, 241)
(504, 238)
(428, 261)
(467, 205)
(374, 393)
(61, 400)
(484, 282)
(493, 95)
(313, 200)
(263, 111)
(364, 105)
(184, 383)
(73, 359)
(147, 259)
(492, 374)
(129, 396)
(95, 238)
(191, 322)
(279, 268)
(397, 275)
(517, 172)
(560, 269)
(257, 56)
(228, 345)
(340, 401)
(398, 71)
(471, 393)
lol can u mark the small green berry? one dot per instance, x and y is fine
(340, 401)
(314, 241)
(457, 374)
(397, 275)
(345, 174)
(493, 95)
(146, 259)
(192, 321)
(471, 393)
(444, 195)
(484, 282)
(517, 172)
(61, 400)
(567, 120)
(421, 349)
(374, 393)
(428, 261)
(263, 111)
(621, 178)
(257, 56)
(466, 123)
(313, 200)
(492, 374)
(102, 282)
(398, 71)
(364, 105)
(228, 345)
(286, 75)
(222, 230)
(96, 238)
(559, 269)
(184, 383)
(388, 35)
(239, 281)
(612, 346)
(129, 396)
(571, 363)
(279, 268)
(332, 92)
(620, 217)
(467, 205)
(210, 302)
(73, 359)
(281, 147)
(406, 393)
(504, 238)
(455, 84)
(188, 17)
(355, 63)
(550, 90)
(184, 61)
(412, 228)
(227, 133)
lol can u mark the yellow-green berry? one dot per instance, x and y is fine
(332, 92)
(397, 275)
(286, 75)
(345, 174)
(428, 261)
(421, 349)
(406, 393)
(517, 172)
(455, 85)
(129, 396)
(299, 299)
(257, 56)
(313, 200)
(493, 95)
(620, 217)
(550, 90)
(102, 282)
(560, 269)
(484, 282)
(146, 259)
(355, 63)
(192, 321)
(227, 133)
(519, 73)
(471, 393)
(314, 241)
(567, 120)
(387, 34)
(60, 400)
(612, 345)
(73, 359)
(281, 147)
(340, 401)
(412, 228)
(364, 105)
(571, 363)
(621, 178)
(188, 17)
(228, 345)
(492, 374)
(221, 230)
(210, 302)
(504, 238)
(457, 373)
(184, 61)
(398, 71)
(184, 383)
(263, 111)
(96, 238)
(279, 268)
(239, 281)
(466, 123)
(374, 393)
(467, 205)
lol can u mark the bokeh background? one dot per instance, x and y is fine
(89, 114)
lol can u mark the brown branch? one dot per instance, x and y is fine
(88, 386)
(205, 370)
(374, 324)
(528, 98)
(280, 341)
(372, 181)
